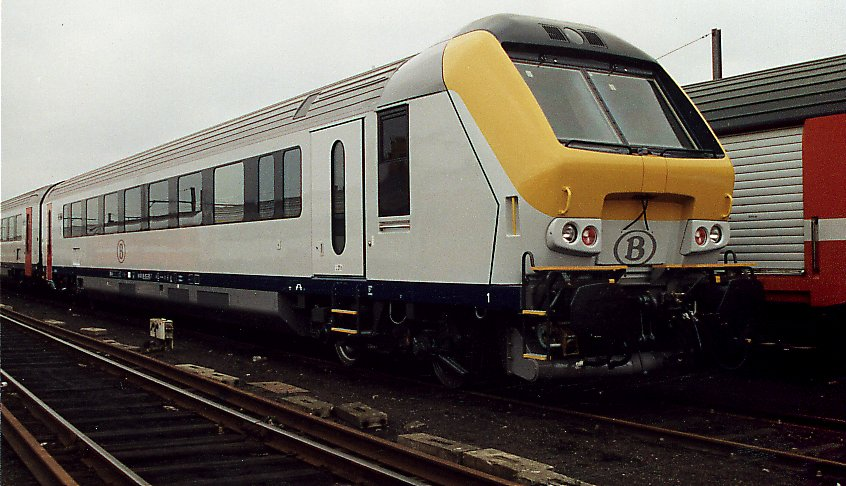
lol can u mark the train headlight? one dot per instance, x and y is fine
(701, 236)
(590, 235)
(576, 236)
(569, 232)
(716, 234)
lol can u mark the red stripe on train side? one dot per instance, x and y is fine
(828, 287)
(824, 167)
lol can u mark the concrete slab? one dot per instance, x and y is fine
(436, 446)
(361, 415)
(500, 463)
(210, 373)
(120, 345)
(278, 387)
(93, 331)
(310, 404)
(547, 477)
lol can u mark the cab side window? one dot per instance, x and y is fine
(393, 185)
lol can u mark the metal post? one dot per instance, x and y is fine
(716, 54)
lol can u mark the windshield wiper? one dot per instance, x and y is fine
(619, 148)
(614, 148)
(684, 153)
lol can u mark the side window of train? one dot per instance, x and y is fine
(93, 216)
(66, 221)
(280, 192)
(229, 193)
(189, 189)
(132, 201)
(77, 218)
(266, 186)
(292, 183)
(4, 229)
(111, 205)
(158, 204)
(393, 185)
(338, 195)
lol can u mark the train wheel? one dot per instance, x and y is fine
(449, 372)
(348, 353)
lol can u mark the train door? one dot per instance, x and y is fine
(49, 262)
(28, 243)
(337, 215)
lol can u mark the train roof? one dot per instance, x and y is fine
(354, 96)
(23, 198)
(773, 98)
(347, 98)
(521, 30)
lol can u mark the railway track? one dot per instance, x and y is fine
(135, 420)
(817, 456)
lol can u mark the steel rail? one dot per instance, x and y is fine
(343, 441)
(678, 434)
(39, 462)
(110, 469)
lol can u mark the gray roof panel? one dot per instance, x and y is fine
(773, 98)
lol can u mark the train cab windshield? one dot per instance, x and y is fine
(608, 111)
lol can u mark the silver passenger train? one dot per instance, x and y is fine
(529, 192)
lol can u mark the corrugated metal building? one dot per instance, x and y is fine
(783, 129)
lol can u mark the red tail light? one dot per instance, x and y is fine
(589, 235)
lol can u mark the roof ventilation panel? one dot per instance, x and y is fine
(593, 38)
(554, 33)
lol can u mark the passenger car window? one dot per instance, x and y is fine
(77, 219)
(266, 186)
(393, 185)
(229, 193)
(66, 221)
(158, 204)
(292, 190)
(5, 228)
(93, 217)
(132, 209)
(113, 224)
(190, 188)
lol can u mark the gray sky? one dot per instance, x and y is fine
(87, 82)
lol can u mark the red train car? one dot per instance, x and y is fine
(785, 131)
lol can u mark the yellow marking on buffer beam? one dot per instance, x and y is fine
(345, 312)
(343, 330)
(606, 268)
(529, 312)
(536, 357)
(708, 265)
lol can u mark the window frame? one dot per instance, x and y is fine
(158, 219)
(337, 198)
(197, 214)
(118, 222)
(243, 193)
(383, 191)
(140, 220)
(99, 227)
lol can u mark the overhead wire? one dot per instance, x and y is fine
(682, 47)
